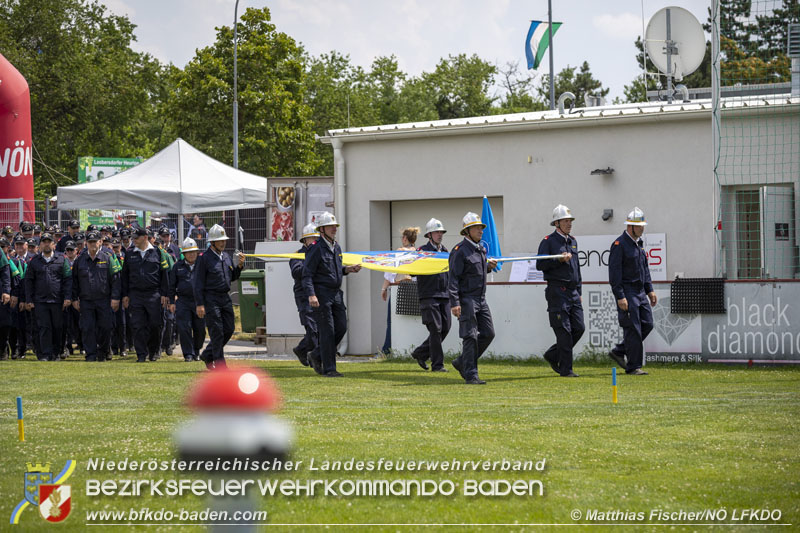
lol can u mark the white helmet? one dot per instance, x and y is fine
(560, 213)
(433, 225)
(310, 230)
(129, 214)
(326, 219)
(189, 245)
(635, 218)
(471, 219)
(217, 233)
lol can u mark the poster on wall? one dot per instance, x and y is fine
(281, 217)
(593, 253)
(98, 168)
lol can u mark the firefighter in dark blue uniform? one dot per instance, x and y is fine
(322, 281)
(563, 292)
(48, 291)
(72, 330)
(309, 341)
(629, 276)
(467, 289)
(73, 228)
(96, 290)
(145, 291)
(169, 328)
(7, 282)
(119, 323)
(434, 304)
(20, 316)
(191, 328)
(212, 284)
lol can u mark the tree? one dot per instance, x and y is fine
(518, 87)
(91, 94)
(339, 96)
(772, 28)
(276, 133)
(460, 86)
(581, 84)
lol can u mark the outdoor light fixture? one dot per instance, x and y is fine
(602, 171)
(608, 213)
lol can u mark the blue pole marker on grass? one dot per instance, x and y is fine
(614, 384)
(20, 421)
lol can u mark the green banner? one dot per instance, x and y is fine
(98, 168)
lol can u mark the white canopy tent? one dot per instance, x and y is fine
(178, 179)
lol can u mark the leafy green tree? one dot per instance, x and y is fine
(91, 94)
(460, 86)
(339, 95)
(276, 132)
(580, 84)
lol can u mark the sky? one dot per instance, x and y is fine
(417, 32)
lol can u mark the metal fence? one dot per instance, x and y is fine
(756, 136)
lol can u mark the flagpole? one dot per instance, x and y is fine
(550, 46)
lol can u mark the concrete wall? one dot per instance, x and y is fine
(661, 166)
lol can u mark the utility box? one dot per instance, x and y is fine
(251, 299)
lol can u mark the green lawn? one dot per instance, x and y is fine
(682, 438)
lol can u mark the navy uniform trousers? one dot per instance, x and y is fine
(331, 318)
(191, 328)
(566, 318)
(50, 320)
(95, 321)
(637, 323)
(220, 321)
(145, 309)
(309, 323)
(476, 330)
(436, 317)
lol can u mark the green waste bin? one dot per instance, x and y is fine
(251, 299)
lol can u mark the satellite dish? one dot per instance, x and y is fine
(675, 43)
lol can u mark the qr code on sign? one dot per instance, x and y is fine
(603, 326)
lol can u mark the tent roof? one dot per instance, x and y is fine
(178, 179)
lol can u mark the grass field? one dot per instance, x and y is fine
(680, 439)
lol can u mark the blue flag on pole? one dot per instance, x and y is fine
(490, 239)
(537, 41)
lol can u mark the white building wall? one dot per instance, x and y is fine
(664, 167)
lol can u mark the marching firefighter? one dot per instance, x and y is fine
(563, 292)
(434, 304)
(212, 284)
(191, 328)
(322, 281)
(309, 341)
(467, 288)
(629, 275)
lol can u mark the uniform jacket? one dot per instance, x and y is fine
(213, 274)
(435, 285)
(48, 282)
(147, 274)
(467, 275)
(296, 266)
(627, 267)
(181, 284)
(96, 279)
(322, 268)
(555, 272)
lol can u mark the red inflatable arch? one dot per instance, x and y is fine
(16, 150)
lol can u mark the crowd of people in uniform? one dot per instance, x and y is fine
(460, 293)
(109, 290)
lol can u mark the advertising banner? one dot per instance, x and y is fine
(593, 253)
(98, 168)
